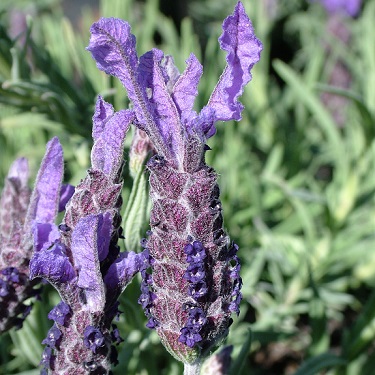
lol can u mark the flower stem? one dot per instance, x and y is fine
(192, 368)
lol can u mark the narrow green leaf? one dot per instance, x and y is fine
(321, 362)
(238, 363)
(135, 212)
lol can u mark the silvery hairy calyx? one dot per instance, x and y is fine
(20, 208)
(192, 285)
(82, 260)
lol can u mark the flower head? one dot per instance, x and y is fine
(81, 258)
(194, 283)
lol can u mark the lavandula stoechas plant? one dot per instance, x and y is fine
(82, 260)
(195, 284)
(20, 209)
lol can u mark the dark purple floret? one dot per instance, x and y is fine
(11, 274)
(93, 338)
(195, 272)
(189, 337)
(59, 313)
(198, 290)
(53, 337)
(4, 289)
(115, 335)
(152, 323)
(232, 250)
(197, 318)
(195, 252)
(146, 298)
(234, 306)
(46, 357)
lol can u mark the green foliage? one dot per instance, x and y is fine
(297, 185)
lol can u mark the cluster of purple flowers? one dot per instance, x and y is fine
(197, 278)
(147, 296)
(190, 270)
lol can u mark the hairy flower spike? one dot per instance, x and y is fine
(82, 260)
(20, 211)
(194, 284)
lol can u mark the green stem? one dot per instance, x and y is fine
(192, 368)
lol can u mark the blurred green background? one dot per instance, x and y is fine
(297, 174)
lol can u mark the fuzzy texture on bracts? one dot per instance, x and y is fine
(82, 260)
(193, 285)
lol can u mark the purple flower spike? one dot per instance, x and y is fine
(23, 212)
(190, 255)
(82, 260)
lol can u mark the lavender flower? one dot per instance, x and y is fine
(19, 210)
(82, 260)
(348, 7)
(195, 283)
